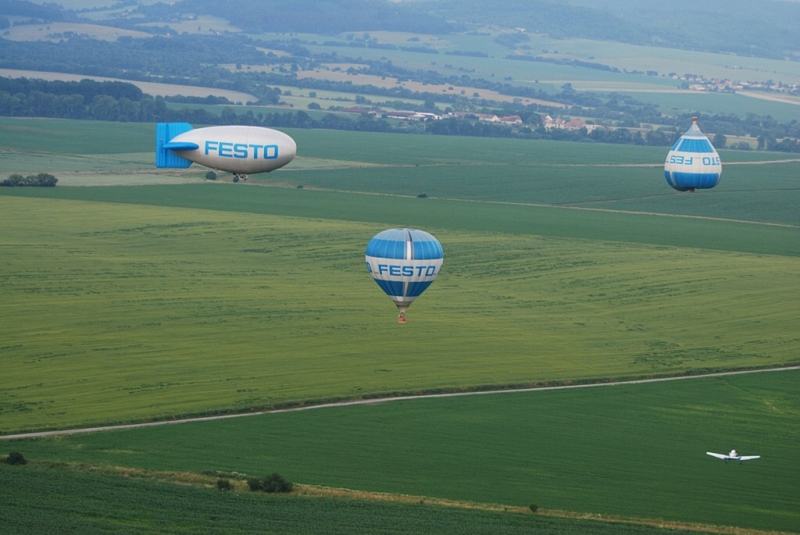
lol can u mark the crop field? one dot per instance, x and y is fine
(624, 56)
(576, 262)
(721, 103)
(519, 171)
(54, 31)
(437, 89)
(151, 88)
(112, 308)
(199, 24)
(481, 67)
(635, 450)
(91, 502)
(667, 60)
(550, 76)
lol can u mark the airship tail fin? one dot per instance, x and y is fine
(165, 155)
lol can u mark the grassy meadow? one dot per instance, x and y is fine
(635, 450)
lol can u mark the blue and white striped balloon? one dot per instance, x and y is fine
(404, 262)
(693, 162)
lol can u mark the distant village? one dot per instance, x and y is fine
(695, 82)
(548, 122)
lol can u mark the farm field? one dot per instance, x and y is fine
(488, 68)
(520, 171)
(58, 136)
(483, 217)
(151, 88)
(137, 302)
(721, 103)
(594, 338)
(667, 60)
(634, 450)
(140, 302)
(115, 306)
(91, 502)
(623, 56)
(549, 77)
(54, 31)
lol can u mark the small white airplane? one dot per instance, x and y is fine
(733, 456)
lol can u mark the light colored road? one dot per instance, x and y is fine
(375, 401)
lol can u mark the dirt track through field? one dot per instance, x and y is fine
(375, 401)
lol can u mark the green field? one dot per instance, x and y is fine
(624, 56)
(123, 311)
(135, 302)
(98, 503)
(478, 169)
(718, 103)
(129, 292)
(631, 60)
(636, 450)
(50, 499)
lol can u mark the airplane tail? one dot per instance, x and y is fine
(166, 157)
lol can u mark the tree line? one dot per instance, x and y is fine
(115, 101)
(42, 180)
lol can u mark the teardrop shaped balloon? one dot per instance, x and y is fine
(693, 162)
(404, 262)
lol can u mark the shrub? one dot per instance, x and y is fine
(422, 196)
(299, 186)
(16, 457)
(272, 483)
(211, 175)
(224, 484)
(276, 483)
(533, 507)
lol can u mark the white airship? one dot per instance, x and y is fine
(733, 456)
(240, 150)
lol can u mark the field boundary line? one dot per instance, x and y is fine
(388, 399)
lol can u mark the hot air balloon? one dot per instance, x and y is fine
(404, 262)
(692, 163)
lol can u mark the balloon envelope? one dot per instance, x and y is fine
(693, 162)
(404, 262)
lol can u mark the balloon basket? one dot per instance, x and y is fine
(402, 319)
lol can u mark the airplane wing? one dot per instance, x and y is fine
(749, 457)
(717, 455)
